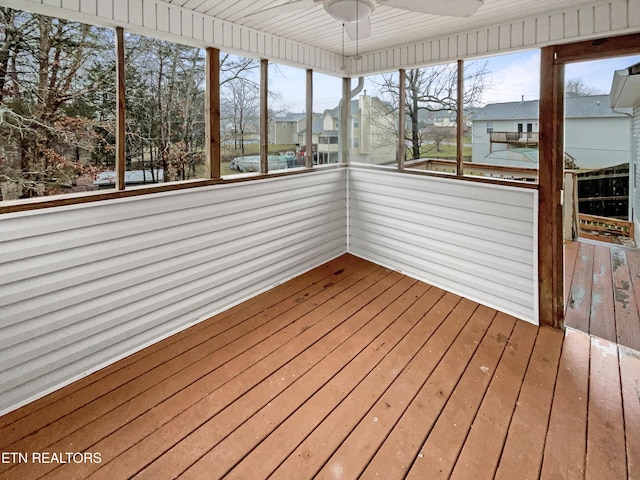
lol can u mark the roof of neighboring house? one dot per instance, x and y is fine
(576, 107)
(335, 112)
(328, 133)
(317, 126)
(290, 117)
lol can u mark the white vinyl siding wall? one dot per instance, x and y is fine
(85, 285)
(82, 286)
(477, 240)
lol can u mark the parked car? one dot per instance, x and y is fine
(131, 177)
(251, 163)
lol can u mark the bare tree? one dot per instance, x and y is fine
(41, 61)
(432, 89)
(241, 107)
(578, 88)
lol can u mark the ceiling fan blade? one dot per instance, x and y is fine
(451, 8)
(358, 30)
(291, 6)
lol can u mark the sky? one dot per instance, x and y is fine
(511, 77)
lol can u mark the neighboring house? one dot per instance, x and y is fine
(596, 135)
(444, 118)
(327, 132)
(289, 129)
(372, 132)
(625, 94)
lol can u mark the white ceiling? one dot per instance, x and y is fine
(311, 38)
(390, 27)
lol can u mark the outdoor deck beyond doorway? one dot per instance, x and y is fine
(348, 371)
(602, 291)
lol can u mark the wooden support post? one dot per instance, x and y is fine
(460, 120)
(120, 111)
(598, 48)
(308, 136)
(551, 167)
(212, 114)
(345, 117)
(402, 96)
(264, 116)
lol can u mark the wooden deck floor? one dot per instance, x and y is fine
(349, 371)
(602, 291)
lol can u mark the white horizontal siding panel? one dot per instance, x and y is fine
(454, 273)
(61, 365)
(169, 260)
(473, 259)
(136, 13)
(602, 18)
(68, 328)
(186, 248)
(633, 13)
(437, 201)
(571, 23)
(585, 20)
(451, 233)
(71, 4)
(94, 214)
(474, 239)
(88, 6)
(517, 35)
(156, 18)
(469, 222)
(619, 16)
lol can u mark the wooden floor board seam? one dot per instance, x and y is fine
(455, 386)
(513, 412)
(398, 278)
(356, 371)
(481, 400)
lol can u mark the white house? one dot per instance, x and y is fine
(371, 127)
(596, 135)
(625, 94)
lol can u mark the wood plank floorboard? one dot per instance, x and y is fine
(564, 453)
(627, 319)
(602, 318)
(606, 450)
(571, 250)
(483, 447)
(523, 450)
(630, 379)
(578, 311)
(348, 371)
(602, 284)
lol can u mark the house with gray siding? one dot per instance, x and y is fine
(596, 134)
(625, 94)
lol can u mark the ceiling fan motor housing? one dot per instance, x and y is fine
(349, 10)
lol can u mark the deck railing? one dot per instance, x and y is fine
(604, 228)
(524, 138)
